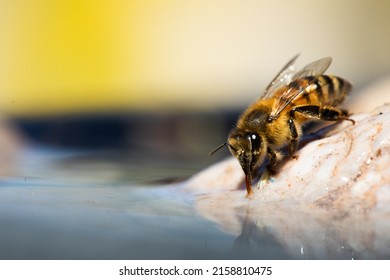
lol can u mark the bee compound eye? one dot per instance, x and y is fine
(255, 141)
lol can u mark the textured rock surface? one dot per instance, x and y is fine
(348, 166)
(332, 202)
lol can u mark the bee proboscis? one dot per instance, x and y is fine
(275, 119)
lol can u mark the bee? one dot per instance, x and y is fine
(275, 120)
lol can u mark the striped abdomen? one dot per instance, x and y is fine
(325, 90)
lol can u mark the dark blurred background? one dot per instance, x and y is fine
(165, 146)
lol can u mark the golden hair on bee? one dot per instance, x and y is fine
(274, 121)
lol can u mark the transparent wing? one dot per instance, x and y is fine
(311, 72)
(284, 77)
(316, 68)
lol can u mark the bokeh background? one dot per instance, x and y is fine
(165, 80)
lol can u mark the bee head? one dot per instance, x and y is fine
(248, 147)
(250, 150)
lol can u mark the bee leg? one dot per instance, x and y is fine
(326, 113)
(269, 169)
(272, 159)
(293, 146)
(264, 178)
(346, 116)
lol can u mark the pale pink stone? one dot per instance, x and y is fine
(332, 202)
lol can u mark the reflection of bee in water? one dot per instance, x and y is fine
(275, 119)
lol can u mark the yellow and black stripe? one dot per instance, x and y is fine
(325, 90)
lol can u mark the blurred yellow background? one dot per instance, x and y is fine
(61, 57)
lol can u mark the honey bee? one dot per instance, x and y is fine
(275, 120)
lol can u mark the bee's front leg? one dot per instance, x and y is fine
(269, 170)
(293, 145)
(272, 159)
(264, 178)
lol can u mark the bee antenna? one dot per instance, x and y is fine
(218, 148)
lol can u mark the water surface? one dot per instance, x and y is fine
(69, 205)
(125, 200)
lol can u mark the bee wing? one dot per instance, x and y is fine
(311, 72)
(284, 77)
(316, 68)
